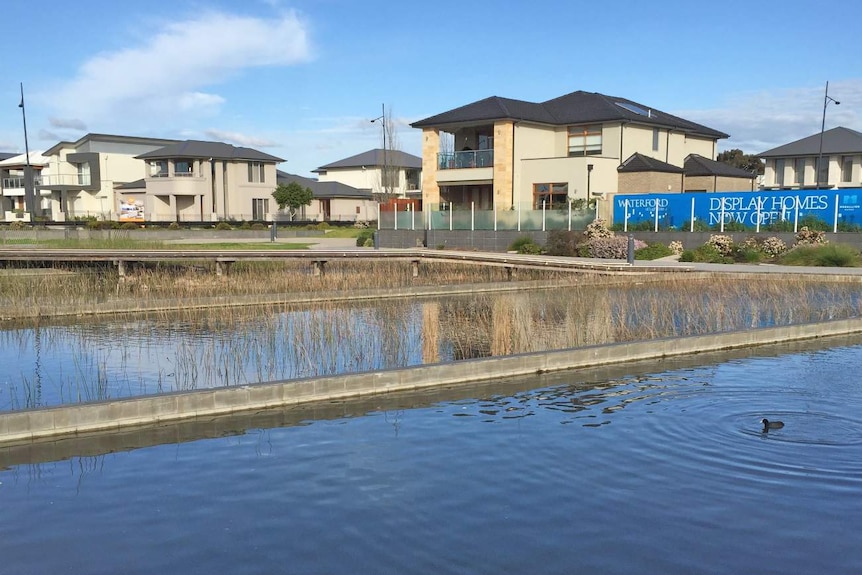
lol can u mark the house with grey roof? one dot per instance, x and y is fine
(333, 201)
(81, 177)
(697, 174)
(13, 174)
(832, 159)
(500, 153)
(196, 180)
(385, 173)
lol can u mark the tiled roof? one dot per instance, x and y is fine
(576, 108)
(203, 149)
(696, 165)
(375, 158)
(637, 162)
(324, 189)
(838, 140)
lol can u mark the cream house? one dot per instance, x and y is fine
(12, 183)
(392, 173)
(499, 153)
(794, 166)
(333, 201)
(81, 176)
(195, 180)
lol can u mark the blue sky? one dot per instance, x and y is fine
(301, 79)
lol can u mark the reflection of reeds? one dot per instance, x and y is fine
(200, 348)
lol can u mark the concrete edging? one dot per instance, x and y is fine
(109, 416)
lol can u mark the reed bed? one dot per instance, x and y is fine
(200, 348)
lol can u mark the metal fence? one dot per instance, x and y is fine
(521, 217)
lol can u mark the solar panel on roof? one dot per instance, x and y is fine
(633, 108)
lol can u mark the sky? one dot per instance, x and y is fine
(302, 79)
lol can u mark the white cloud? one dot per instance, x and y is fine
(241, 139)
(758, 121)
(161, 79)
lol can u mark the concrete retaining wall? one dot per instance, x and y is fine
(111, 416)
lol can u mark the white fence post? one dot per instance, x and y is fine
(795, 214)
(691, 220)
(451, 216)
(656, 215)
(835, 219)
(543, 215)
(472, 216)
(626, 218)
(570, 214)
(519, 216)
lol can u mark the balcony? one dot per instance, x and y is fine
(65, 180)
(465, 159)
(17, 182)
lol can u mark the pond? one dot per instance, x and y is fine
(649, 468)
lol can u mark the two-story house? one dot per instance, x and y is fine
(82, 176)
(385, 173)
(499, 153)
(830, 160)
(12, 179)
(208, 181)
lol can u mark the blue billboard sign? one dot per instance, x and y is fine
(751, 209)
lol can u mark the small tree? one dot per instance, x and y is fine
(292, 196)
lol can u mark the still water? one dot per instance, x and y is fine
(661, 469)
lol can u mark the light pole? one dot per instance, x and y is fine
(29, 195)
(382, 119)
(826, 100)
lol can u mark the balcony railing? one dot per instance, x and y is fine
(18, 182)
(174, 175)
(466, 159)
(66, 180)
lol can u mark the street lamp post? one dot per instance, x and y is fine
(29, 194)
(826, 100)
(382, 119)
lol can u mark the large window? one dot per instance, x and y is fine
(259, 208)
(183, 168)
(585, 140)
(84, 174)
(159, 169)
(822, 170)
(779, 172)
(554, 196)
(799, 171)
(846, 169)
(255, 172)
(655, 138)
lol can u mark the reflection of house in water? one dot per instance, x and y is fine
(503, 324)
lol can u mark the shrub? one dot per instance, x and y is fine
(614, 248)
(770, 247)
(245, 225)
(525, 245)
(130, 226)
(323, 226)
(807, 236)
(676, 247)
(562, 243)
(653, 251)
(730, 227)
(223, 226)
(706, 253)
(365, 236)
(749, 255)
(823, 255)
(723, 244)
(173, 226)
(258, 226)
(598, 228)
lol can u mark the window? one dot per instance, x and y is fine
(799, 171)
(822, 170)
(159, 169)
(655, 134)
(84, 174)
(779, 172)
(255, 172)
(259, 208)
(846, 168)
(182, 168)
(554, 196)
(585, 140)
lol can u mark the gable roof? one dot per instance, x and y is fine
(575, 108)
(376, 158)
(637, 162)
(696, 165)
(324, 189)
(204, 149)
(36, 159)
(838, 140)
(7, 155)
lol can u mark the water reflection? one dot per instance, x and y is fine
(90, 361)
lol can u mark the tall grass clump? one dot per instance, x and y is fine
(822, 255)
